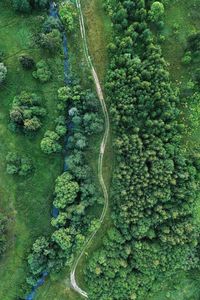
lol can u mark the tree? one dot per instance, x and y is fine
(51, 41)
(63, 239)
(32, 124)
(27, 62)
(3, 72)
(3, 232)
(21, 5)
(18, 165)
(157, 11)
(49, 143)
(50, 24)
(43, 72)
(26, 112)
(67, 14)
(40, 3)
(61, 130)
(65, 190)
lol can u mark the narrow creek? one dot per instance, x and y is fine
(53, 12)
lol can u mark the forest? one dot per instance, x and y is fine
(52, 125)
(155, 182)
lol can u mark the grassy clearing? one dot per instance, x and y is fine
(185, 17)
(27, 201)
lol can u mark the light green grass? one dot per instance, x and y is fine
(28, 201)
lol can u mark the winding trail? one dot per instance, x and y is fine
(101, 153)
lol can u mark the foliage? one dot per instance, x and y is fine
(3, 72)
(67, 14)
(50, 24)
(65, 190)
(49, 143)
(18, 165)
(27, 62)
(157, 11)
(43, 72)
(74, 192)
(26, 112)
(21, 5)
(3, 233)
(51, 41)
(155, 183)
(26, 5)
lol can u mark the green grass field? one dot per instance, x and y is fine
(27, 201)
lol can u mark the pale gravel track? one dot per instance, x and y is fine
(73, 282)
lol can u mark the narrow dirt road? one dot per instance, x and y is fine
(101, 152)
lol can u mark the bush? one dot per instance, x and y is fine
(197, 75)
(21, 5)
(2, 54)
(49, 143)
(3, 72)
(61, 130)
(26, 112)
(18, 165)
(66, 190)
(51, 41)
(43, 73)
(27, 62)
(157, 11)
(187, 58)
(26, 5)
(51, 23)
(3, 233)
(68, 13)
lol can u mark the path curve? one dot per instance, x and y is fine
(101, 152)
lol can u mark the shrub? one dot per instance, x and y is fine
(157, 11)
(3, 72)
(66, 190)
(51, 41)
(18, 165)
(51, 23)
(1, 56)
(21, 5)
(26, 112)
(43, 73)
(3, 233)
(49, 143)
(67, 13)
(27, 62)
(187, 58)
(61, 130)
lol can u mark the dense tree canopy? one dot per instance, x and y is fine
(154, 183)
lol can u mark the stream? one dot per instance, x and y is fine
(53, 12)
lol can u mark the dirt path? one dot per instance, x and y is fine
(101, 152)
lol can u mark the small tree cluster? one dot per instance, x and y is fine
(27, 62)
(18, 165)
(68, 13)
(51, 41)
(50, 142)
(26, 112)
(43, 72)
(26, 6)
